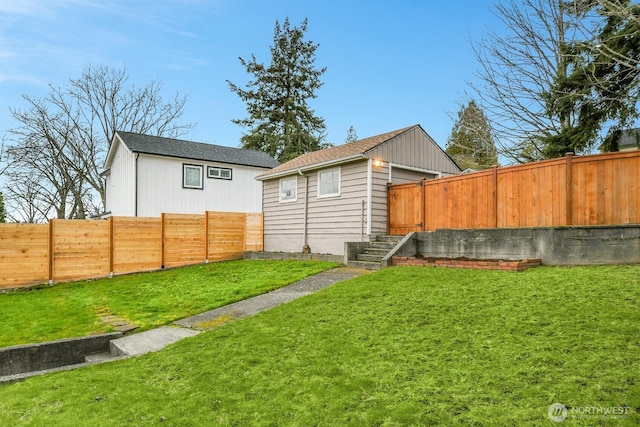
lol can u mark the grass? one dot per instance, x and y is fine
(402, 346)
(146, 300)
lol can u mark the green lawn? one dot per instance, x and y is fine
(402, 346)
(147, 300)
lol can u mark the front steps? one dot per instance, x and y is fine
(370, 256)
(140, 343)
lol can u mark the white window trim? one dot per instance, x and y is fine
(324, 196)
(200, 168)
(280, 193)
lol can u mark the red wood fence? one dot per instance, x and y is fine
(77, 249)
(600, 189)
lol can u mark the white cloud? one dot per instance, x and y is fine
(21, 79)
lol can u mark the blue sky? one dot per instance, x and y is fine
(389, 64)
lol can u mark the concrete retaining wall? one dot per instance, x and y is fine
(38, 357)
(553, 246)
(293, 255)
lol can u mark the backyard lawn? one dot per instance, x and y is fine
(402, 346)
(147, 300)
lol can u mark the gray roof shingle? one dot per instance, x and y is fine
(147, 144)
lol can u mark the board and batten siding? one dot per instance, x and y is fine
(331, 221)
(416, 149)
(160, 188)
(120, 183)
(404, 176)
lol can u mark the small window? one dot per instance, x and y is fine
(218, 173)
(192, 176)
(329, 183)
(289, 189)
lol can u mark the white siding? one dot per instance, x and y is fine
(120, 182)
(160, 188)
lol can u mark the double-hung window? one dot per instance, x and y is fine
(329, 182)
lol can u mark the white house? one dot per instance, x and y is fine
(148, 175)
(328, 197)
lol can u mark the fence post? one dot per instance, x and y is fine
(162, 219)
(206, 237)
(423, 206)
(244, 231)
(111, 246)
(51, 230)
(388, 212)
(569, 189)
(494, 179)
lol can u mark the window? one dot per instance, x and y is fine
(329, 183)
(192, 176)
(289, 189)
(218, 173)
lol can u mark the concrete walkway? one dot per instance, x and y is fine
(157, 339)
(269, 300)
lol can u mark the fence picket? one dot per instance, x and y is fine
(77, 249)
(600, 189)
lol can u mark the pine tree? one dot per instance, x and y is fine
(471, 143)
(602, 80)
(351, 135)
(280, 121)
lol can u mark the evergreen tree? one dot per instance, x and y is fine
(3, 214)
(604, 79)
(280, 122)
(471, 143)
(562, 74)
(351, 135)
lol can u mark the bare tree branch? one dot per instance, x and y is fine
(63, 139)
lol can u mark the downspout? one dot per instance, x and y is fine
(135, 190)
(369, 194)
(362, 220)
(305, 245)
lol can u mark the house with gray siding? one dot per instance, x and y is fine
(147, 175)
(328, 197)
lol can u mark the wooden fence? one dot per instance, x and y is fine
(600, 189)
(76, 249)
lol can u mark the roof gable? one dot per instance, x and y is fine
(345, 151)
(183, 149)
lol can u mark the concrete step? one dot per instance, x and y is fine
(376, 251)
(365, 264)
(98, 357)
(389, 238)
(382, 245)
(152, 340)
(369, 257)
